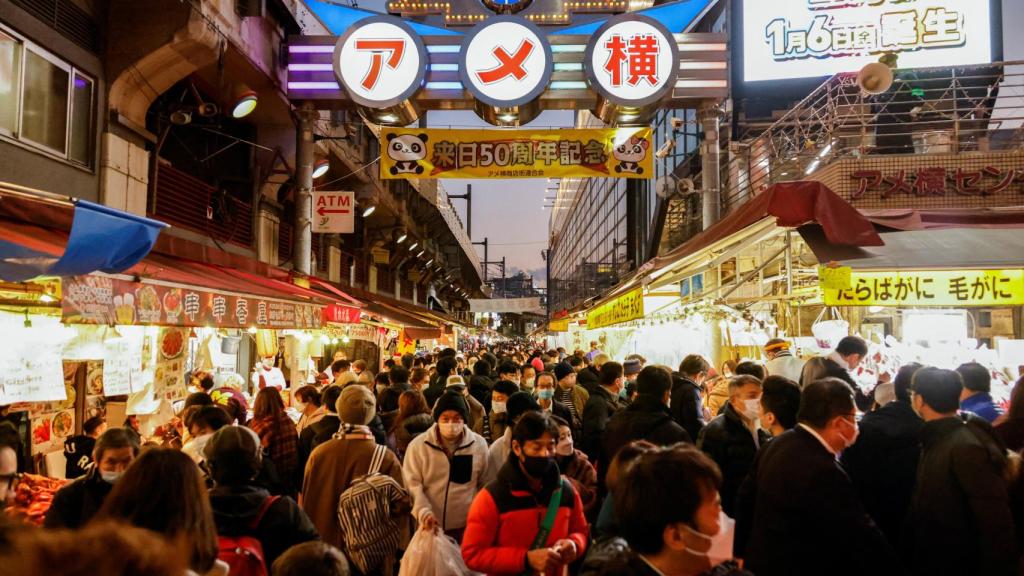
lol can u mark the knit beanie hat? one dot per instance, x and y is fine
(356, 406)
(520, 403)
(562, 369)
(451, 401)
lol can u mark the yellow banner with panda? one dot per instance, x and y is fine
(552, 153)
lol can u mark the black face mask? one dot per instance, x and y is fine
(538, 466)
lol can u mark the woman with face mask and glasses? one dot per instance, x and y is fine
(530, 519)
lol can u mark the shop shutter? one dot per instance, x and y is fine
(63, 16)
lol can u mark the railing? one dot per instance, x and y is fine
(184, 200)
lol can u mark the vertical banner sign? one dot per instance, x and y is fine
(629, 306)
(930, 288)
(570, 153)
(334, 212)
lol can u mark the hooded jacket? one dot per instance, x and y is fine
(283, 525)
(645, 419)
(441, 485)
(687, 404)
(506, 515)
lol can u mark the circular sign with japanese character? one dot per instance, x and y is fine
(380, 61)
(632, 60)
(505, 61)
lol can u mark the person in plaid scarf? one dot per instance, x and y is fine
(277, 434)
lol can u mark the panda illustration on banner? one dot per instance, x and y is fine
(407, 150)
(630, 154)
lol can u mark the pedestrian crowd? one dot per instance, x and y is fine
(517, 460)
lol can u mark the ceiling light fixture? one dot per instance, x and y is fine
(321, 167)
(243, 102)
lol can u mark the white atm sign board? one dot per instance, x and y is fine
(334, 212)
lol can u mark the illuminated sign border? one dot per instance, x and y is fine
(588, 57)
(532, 95)
(414, 86)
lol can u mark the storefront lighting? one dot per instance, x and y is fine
(413, 246)
(429, 262)
(252, 330)
(325, 338)
(243, 102)
(387, 118)
(345, 339)
(111, 334)
(321, 167)
(47, 298)
(369, 206)
(334, 340)
(401, 235)
(420, 253)
(812, 167)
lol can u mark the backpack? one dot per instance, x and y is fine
(244, 554)
(365, 512)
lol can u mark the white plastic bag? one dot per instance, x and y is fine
(432, 553)
(828, 333)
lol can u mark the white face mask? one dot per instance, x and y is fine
(528, 383)
(720, 545)
(564, 447)
(451, 430)
(110, 477)
(752, 409)
(850, 441)
(498, 407)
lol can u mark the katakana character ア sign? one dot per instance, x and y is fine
(380, 61)
(505, 61)
(632, 60)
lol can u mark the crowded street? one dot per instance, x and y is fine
(511, 287)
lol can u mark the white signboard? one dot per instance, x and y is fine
(334, 212)
(122, 361)
(785, 39)
(499, 305)
(380, 61)
(505, 61)
(30, 359)
(632, 60)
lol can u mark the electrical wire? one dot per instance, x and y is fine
(353, 173)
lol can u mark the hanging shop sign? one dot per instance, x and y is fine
(786, 39)
(579, 153)
(930, 288)
(333, 212)
(108, 301)
(502, 305)
(341, 314)
(380, 62)
(629, 306)
(505, 61)
(559, 325)
(632, 61)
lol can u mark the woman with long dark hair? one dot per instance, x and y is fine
(277, 432)
(163, 491)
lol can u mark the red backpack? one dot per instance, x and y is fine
(244, 554)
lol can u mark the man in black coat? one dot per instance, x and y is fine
(848, 354)
(687, 404)
(802, 510)
(602, 404)
(959, 520)
(647, 418)
(883, 462)
(76, 503)
(732, 438)
(240, 506)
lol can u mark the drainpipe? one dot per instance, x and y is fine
(710, 167)
(304, 157)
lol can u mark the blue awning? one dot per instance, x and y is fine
(678, 16)
(102, 239)
(339, 18)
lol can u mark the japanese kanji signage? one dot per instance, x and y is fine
(785, 39)
(380, 61)
(616, 153)
(341, 314)
(108, 301)
(505, 61)
(930, 288)
(334, 212)
(632, 61)
(629, 306)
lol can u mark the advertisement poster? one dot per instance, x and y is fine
(563, 153)
(629, 306)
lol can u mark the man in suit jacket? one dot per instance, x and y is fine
(801, 508)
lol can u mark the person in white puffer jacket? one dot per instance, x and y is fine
(445, 467)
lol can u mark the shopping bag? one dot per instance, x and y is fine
(432, 553)
(828, 333)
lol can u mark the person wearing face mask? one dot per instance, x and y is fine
(498, 418)
(267, 374)
(602, 404)
(307, 400)
(806, 518)
(76, 503)
(733, 438)
(671, 520)
(445, 467)
(477, 421)
(529, 377)
(545, 392)
(529, 520)
(687, 394)
(960, 519)
(576, 467)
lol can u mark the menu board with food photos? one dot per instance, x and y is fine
(106, 301)
(52, 422)
(169, 379)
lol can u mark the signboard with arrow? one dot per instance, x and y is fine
(333, 212)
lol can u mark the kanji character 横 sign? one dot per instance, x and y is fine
(380, 62)
(632, 61)
(930, 288)
(505, 61)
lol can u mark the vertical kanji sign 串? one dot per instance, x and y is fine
(380, 62)
(333, 212)
(632, 60)
(505, 61)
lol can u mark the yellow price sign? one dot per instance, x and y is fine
(930, 288)
(559, 325)
(837, 278)
(629, 306)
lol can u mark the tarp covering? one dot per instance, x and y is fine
(101, 239)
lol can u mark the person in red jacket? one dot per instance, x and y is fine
(506, 516)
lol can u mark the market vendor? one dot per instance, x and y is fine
(76, 503)
(267, 374)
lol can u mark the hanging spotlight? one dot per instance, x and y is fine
(181, 117)
(243, 101)
(369, 206)
(321, 167)
(401, 235)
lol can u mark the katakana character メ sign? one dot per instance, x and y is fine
(632, 61)
(380, 62)
(505, 61)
